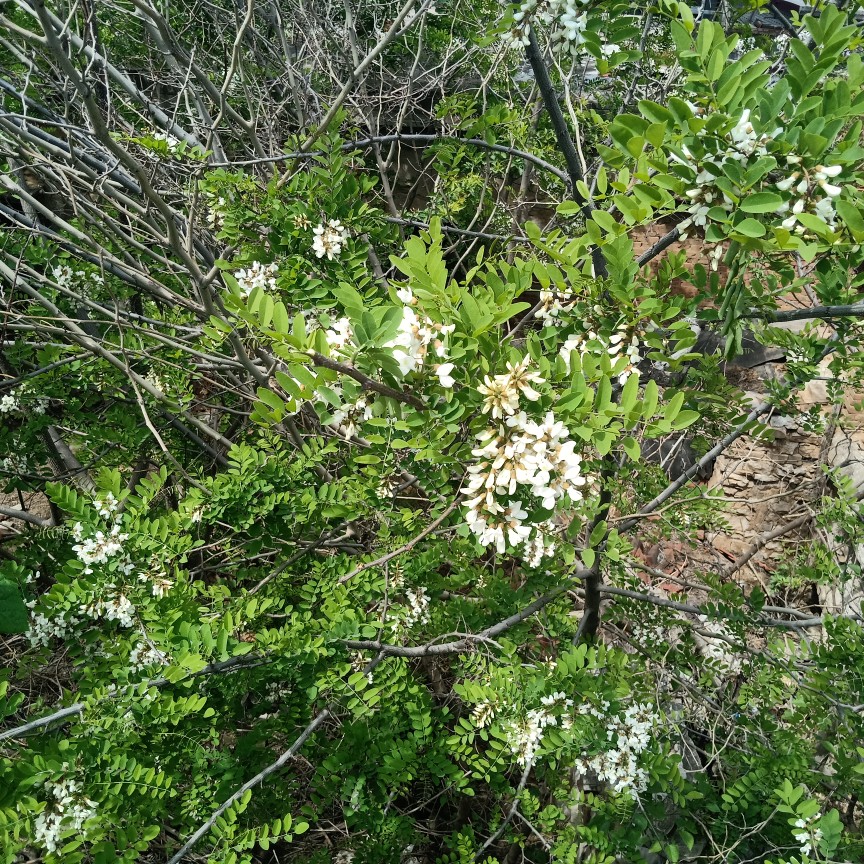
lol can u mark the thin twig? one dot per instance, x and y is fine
(407, 547)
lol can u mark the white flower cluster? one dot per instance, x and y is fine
(630, 735)
(411, 347)
(100, 547)
(9, 402)
(502, 392)
(541, 545)
(525, 736)
(172, 142)
(525, 453)
(418, 609)
(15, 464)
(619, 345)
(215, 213)
(64, 274)
(107, 508)
(387, 488)
(196, 514)
(43, 629)
(359, 661)
(157, 382)
(160, 586)
(77, 280)
(115, 607)
(808, 835)
(12, 402)
(553, 302)
(565, 22)
(483, 713)
(807, 184)
(340, 334)
(519, 452)
(67, 811)
(143, 656)
(329, 239)
(742, 143)
(160, 583)
(416, 336)
(277, 690)
(349, 414)
(812, 189)
(257, 276)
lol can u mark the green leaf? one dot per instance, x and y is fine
(688, 838)
(271, 400)
(605, 221)
(704, 39)
(281, 320)
(657, 113)
(655, 134)
(265, 310)
(685, 419)
(851, 215)
(629, 394)
(632, 448)
(351, 300)
(290, 386)
(750, 228)
(602, 181)
(814, 223)
(13, 613)
(673, 407)
(716, 63)
(367, 459)
(598, 533)
(650, 399)
(760, 202)
(603, 441)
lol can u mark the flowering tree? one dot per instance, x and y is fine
(347, 474)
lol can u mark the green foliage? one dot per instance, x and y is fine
(13, 612)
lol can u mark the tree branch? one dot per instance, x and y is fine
(407, 547)
(562, 136)
(366, 382)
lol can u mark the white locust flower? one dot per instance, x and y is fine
(502, 396)
(522, 379)
(258, 275)
(329, 239)
(825, 171)
(786, 184)
(8, 403)
(340, 334)
(443, 371)
(406, 295)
